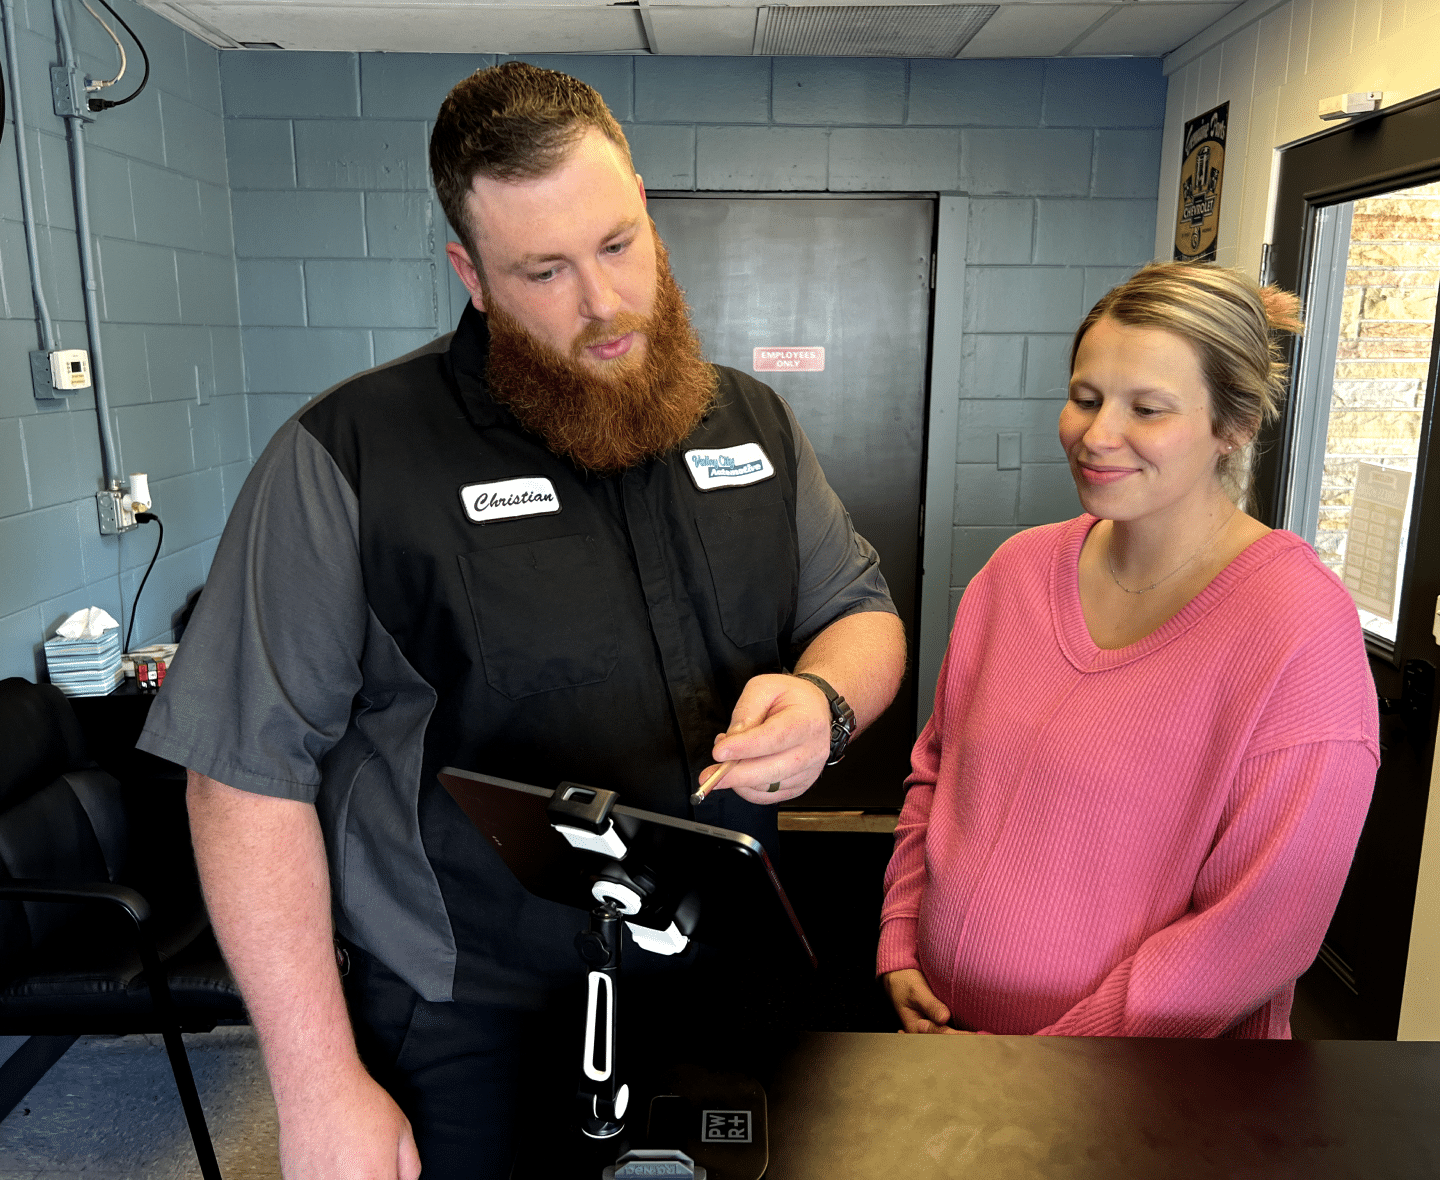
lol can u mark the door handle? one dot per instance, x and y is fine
(1417, 693)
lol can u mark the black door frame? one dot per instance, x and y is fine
(1392, 149)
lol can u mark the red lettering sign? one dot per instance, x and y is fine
(793, 359)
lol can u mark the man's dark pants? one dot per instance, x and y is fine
(478, 1081)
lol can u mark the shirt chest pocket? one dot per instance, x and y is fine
(751, 554)
(536, 617)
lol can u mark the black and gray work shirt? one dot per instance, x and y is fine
(409, 580)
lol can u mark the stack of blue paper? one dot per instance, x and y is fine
(85, 667)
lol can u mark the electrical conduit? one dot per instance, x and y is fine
(87, 257)
(27, 212)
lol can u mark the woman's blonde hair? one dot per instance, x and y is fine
(1233, 324)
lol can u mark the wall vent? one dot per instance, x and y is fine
(940, 30)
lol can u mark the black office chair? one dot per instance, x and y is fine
(102, 925)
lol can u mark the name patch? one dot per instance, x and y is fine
(732, 467)
(506, 499)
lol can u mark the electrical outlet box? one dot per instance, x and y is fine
(68, 93)
(40, 382)
(120, 503)
(107, 504)
(70, 369)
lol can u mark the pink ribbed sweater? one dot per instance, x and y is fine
(1141, 842)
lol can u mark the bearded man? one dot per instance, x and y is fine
(553, 545)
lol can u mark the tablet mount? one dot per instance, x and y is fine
(582, 816)
(658, 875)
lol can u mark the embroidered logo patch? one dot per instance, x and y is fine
(729, 468)
(508, 498)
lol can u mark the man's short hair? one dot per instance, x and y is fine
(511, 122)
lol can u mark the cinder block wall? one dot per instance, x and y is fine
(160, 211)
(340, 242)
(1273, 63)
(337, 249)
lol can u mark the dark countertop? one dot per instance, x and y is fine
(863, 1105)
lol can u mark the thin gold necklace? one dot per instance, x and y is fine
(1110, 561)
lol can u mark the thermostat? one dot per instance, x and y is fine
(70, 369)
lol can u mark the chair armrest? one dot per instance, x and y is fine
(31, 889)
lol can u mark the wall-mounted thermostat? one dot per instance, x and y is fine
(70, 369)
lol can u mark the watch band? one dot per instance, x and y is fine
(842, 717)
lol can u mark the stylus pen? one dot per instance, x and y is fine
(709, 784)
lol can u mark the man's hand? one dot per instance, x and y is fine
(354, 1131)
(919, 1009)
(780, 727)
(779, 734)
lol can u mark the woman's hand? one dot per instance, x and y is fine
(919, 1009)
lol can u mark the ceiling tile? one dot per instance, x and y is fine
(1150, 28)
(900, 31)
(702, 32)
(453, 28)
(1033, 30)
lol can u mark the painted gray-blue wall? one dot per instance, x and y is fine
(250, 262)
(160, 213)
(340, 242)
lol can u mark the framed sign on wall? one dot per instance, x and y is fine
(1202, 170)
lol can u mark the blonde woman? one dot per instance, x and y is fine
(1155, 733)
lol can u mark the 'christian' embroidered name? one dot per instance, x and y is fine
(506, 499)
(489, 500)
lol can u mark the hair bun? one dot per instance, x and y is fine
(1282, 309)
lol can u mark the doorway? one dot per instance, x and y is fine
(828, 301)
(1355, 469)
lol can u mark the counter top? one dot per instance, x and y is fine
(872, 1105)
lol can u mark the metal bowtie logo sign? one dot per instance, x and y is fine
(1202, 172)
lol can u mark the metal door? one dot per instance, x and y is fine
(851, 276)
(1357, 472)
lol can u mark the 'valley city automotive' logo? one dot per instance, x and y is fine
(728, 468)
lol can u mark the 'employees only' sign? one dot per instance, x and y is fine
(796, 359)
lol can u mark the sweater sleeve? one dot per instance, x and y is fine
(905, 875)
(1261, 904)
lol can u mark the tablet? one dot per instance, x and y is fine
(716, 886)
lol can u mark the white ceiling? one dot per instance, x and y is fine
(857, 28)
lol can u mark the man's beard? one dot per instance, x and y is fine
(641, 408)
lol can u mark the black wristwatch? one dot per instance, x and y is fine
(842, 717)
